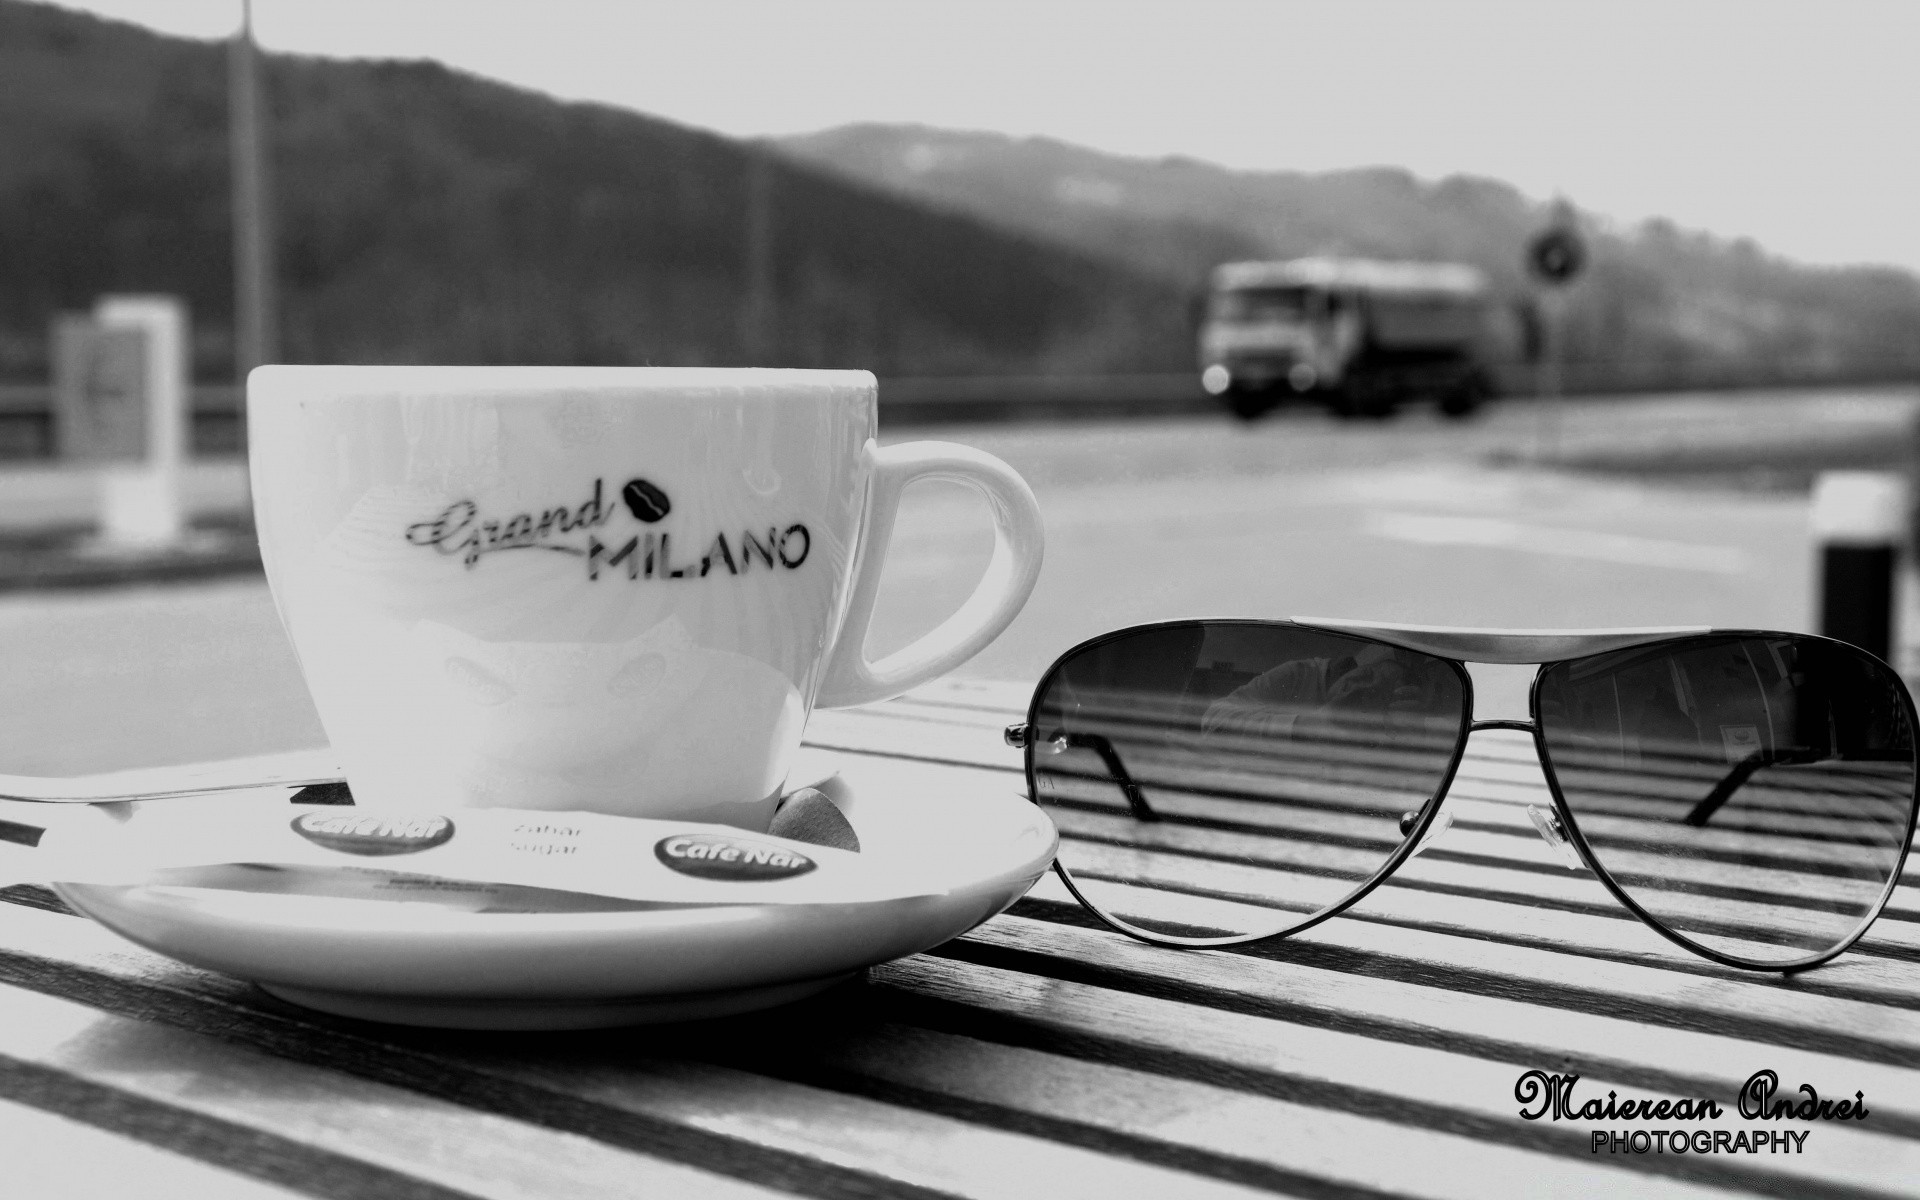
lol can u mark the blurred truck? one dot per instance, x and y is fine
(1359, 336)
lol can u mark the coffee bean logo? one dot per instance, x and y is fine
(645, 500)
(714, 856)
(354, 833)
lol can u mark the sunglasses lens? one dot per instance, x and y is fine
(1753, 795)
(1232, 779)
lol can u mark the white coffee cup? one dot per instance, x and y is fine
(611, 589)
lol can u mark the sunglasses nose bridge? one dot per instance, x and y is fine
(1502, 690)
(1545, 821)
(1443, 820)
(1517, 726)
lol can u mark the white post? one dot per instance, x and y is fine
(140, 503)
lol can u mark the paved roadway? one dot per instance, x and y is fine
(1404, 522)
(1416, 520)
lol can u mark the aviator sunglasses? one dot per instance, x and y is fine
(1749, 795)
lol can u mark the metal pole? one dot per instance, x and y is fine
(1548, 377)
(255, 316)
(756, 317)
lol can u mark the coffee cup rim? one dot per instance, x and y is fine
(311, 382)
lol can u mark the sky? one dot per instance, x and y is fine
(1795, 124)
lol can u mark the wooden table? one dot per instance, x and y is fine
(1039, 1055)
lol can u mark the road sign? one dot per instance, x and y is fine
(1557, 254)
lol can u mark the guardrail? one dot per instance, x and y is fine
(26, 421)
(911, 400)
(219, 421)
(219, 424)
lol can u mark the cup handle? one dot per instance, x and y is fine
(1017, 540)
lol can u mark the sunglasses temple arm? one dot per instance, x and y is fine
(1100, 745)
(1742, 771)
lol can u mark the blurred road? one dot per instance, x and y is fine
(1405, 521)
(1415, 520)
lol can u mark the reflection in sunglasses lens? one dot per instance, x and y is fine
(1751, 794)
(1232, 779)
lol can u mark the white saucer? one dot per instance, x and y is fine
(420, 964)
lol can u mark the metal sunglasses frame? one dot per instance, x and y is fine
(1457, 647)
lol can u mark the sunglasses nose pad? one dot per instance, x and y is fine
(1547, 823)
(1441, 824)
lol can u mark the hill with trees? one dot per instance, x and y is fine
(1659, 306)
(430, 216)
(426, 215)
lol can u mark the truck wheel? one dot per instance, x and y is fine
(1249, 405)
(1363, 406)
(1461, 401)
(1473, 390)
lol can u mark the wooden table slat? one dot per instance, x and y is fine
(1472, 966)
(199, 1083)
(46, 1154)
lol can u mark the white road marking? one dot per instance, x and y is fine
(1503, 534)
